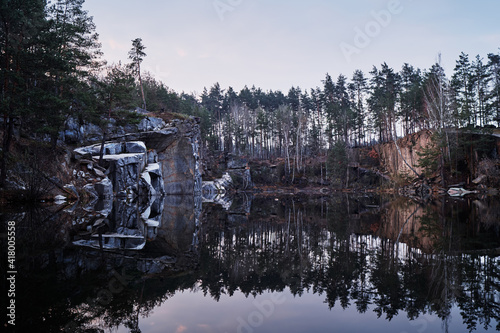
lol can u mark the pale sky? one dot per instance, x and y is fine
(277, 44)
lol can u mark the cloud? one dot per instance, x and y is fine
(205, 326)
(181, 329)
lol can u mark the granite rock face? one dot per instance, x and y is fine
(157, 159)
(145, 187)
(180, 161)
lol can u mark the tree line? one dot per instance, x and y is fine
(52, 69)
(344, 113)
(360, 110)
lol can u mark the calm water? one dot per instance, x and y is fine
(262, 264)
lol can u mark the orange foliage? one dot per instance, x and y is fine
(373, 154)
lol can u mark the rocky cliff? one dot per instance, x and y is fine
(154, 158)
(394, 163)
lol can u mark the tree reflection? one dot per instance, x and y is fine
(354, 251)
(331, 253)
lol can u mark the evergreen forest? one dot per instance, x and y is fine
(52, 69)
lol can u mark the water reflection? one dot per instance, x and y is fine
(388, 257)
(357, 257)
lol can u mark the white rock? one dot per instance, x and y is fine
(99, 173)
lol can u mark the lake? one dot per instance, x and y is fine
(259, 263)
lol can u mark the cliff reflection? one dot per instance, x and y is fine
(368, 252)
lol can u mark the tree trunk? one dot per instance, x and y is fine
(101, 151)
(142, 90)
(8, 125)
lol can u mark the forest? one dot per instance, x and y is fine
(52, 70)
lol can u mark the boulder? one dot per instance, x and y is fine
(90, 189)
(158, 140)
(104, 188)
(236, 162)
(145, 187)
(209, 192)
(459, 192)
(112, 148)
(479, 179)
(135, 147)
(73, 190)
(151, 124)
(70, 133)
(152, 157)
(90, 133)
(241, 179)
(99, 173)
(216, 191)
(71, 136)
(60, 198)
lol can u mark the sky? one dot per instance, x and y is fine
(277, 44)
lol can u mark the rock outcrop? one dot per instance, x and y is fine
(394, 163)
(127, 188)
(155, 158)
(239, 171)
(217, 191)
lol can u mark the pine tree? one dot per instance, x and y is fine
(115, 89)
(344, 117)
(48, 52)
(338, 163)
(328, 102)
(358, 89)
(137, 54)
(493, 97)
(480, 79)
(462, 85)
(385, 89)
(411, 99)
(21, 22)
(71, 53)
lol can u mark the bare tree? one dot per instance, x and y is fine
(436, 99)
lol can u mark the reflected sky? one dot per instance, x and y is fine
(191, 311)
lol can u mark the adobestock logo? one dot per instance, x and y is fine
(264, 309)
(224, 6)
(363, 36)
